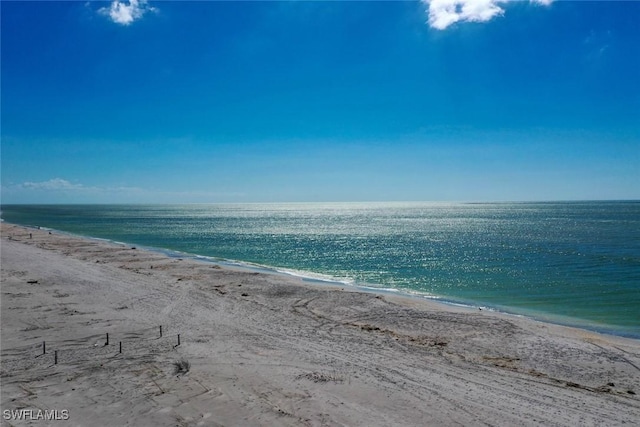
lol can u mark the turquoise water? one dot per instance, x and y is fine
(572, 263)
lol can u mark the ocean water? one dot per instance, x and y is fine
(572, 263)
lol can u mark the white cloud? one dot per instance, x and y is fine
(55, 184)
(125, 12)
(543, 2)
(59, 190)
(61, 185)
(443, 13)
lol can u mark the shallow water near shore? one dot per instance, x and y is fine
(573, 263)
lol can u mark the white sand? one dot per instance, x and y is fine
(267, 350)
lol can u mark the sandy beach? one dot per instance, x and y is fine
(271, 350)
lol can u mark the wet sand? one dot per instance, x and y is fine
(271, 350)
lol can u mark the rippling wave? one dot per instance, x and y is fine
(575, 263)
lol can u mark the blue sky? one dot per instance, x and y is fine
(442, 100)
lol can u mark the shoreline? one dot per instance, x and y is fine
(308, 277)
(267, 349)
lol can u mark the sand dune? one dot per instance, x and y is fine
(268, 350)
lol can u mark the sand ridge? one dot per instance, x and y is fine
(269, 350)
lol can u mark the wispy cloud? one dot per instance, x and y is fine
(443, 13)
(596, 44)
(55, 184)
(126, 12)
(60, 185)
(60, 190)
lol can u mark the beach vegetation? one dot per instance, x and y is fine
(181, 367)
